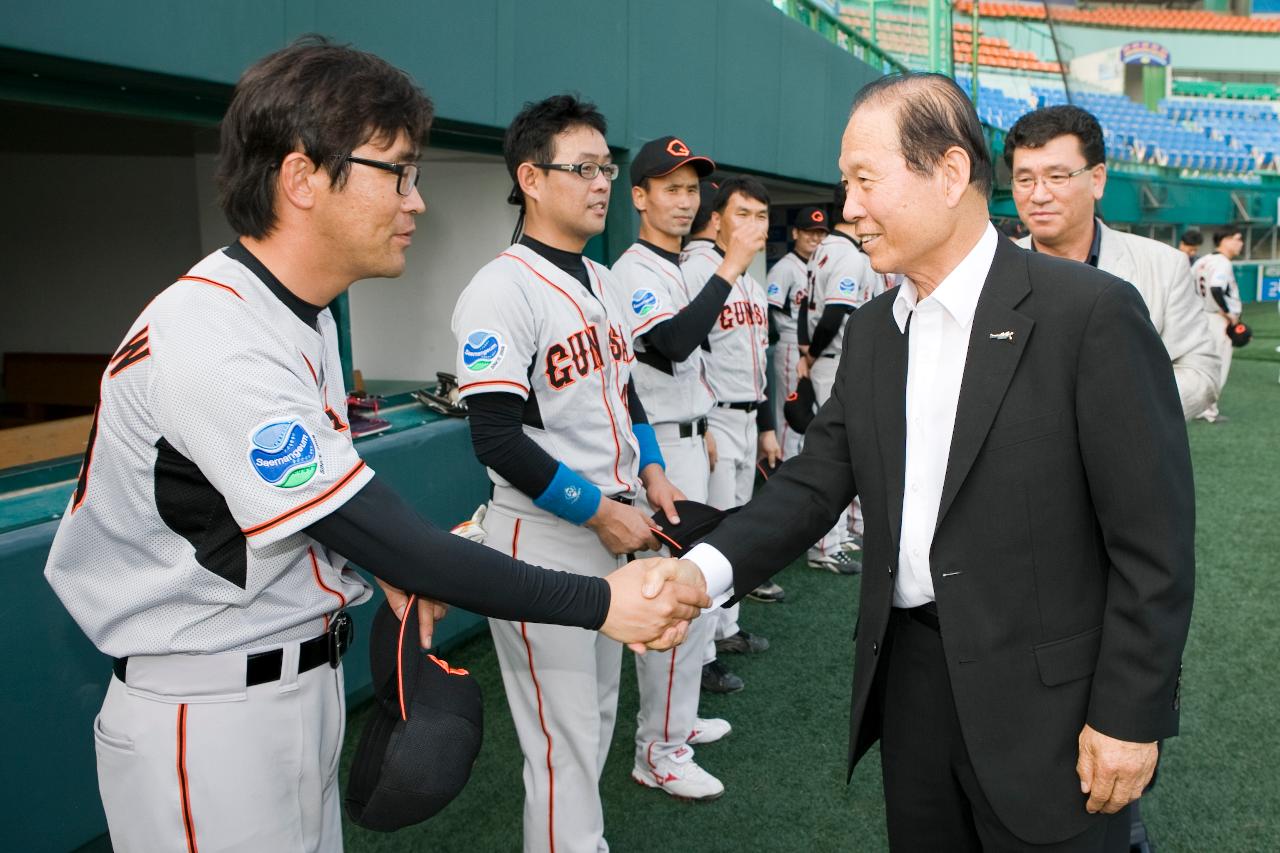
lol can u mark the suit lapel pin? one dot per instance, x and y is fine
(1001, 336)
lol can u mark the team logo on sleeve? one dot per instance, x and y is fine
(644, 302)
(774, 290)
(482, 350)
(283, 453)
(846, 285)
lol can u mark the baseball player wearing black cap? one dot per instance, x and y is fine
(840, 280)
(670, 327)
(205, 546)
(742, 421)
(787, 292)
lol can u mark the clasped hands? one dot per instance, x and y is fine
(651, 603)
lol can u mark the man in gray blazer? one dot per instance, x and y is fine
(1059, 174)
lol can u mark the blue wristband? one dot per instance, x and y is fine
(650, 453)
(569, 496)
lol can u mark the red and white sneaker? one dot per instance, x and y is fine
(708, 731)
(679, 775)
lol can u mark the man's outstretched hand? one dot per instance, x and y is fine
(652, 602)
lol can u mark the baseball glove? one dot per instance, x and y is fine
(445, 398)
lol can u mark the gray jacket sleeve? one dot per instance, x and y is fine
(1184, 329)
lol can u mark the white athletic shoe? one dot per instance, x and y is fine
(679, 775)
(708, 731)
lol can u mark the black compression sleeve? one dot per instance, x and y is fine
(677, 338)
(1220, 296)
(773, 325)
(825, 332)
(634, 406)
(381, 533)
(765, 417)
(802, 323)
(500, 442)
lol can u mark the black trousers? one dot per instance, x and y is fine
(933, 801)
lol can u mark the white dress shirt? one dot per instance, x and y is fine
(936, 353)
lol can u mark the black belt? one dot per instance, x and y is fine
(745, 407)
(264, 667)
(925, 614)
(827, 355)
(623, 499)
(698, 427)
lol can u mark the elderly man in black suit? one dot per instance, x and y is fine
(1011, 423)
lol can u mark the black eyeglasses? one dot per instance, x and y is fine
(407, 174)
(1055, 181)
(587, 171)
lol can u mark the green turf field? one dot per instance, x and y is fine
(783, 766)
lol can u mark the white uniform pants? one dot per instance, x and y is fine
(562, 687)
(671, 682)
(823, 375)
(190, 759)
(1218, 333)
(732, 482)
(786, 355)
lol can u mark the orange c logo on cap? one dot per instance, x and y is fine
(676, 148)
(818, 217)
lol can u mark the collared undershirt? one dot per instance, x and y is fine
(937, 350)
(1095, 245)
(303, 310)
(672, 257)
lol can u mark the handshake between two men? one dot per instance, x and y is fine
(651, 603)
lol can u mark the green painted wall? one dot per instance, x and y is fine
(735, 77)
(54, 679)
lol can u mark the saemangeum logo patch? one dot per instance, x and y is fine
(482, 350)
(283, 454)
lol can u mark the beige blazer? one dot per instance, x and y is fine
(1162, 276)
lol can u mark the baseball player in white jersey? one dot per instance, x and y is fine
(742, 420)
(1215, 279)
(544, 362)
(205, 546)
(787, 291)
(670, 331)
(840, 280)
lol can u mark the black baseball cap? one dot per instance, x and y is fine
(811, 219)
(422, 740)
(800, 406)
(664, 155)
(697, 520)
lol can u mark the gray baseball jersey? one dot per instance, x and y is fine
(840, 275)
(787, 288)
(220, 434)
(525, 326)
(740, 338)
(656, 292)
(1216, 271)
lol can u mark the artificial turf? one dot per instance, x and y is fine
(783, 765)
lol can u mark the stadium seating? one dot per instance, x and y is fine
(1186, 133)
(1131, 19)
(906, 38)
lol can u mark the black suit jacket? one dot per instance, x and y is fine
(1063, 559)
